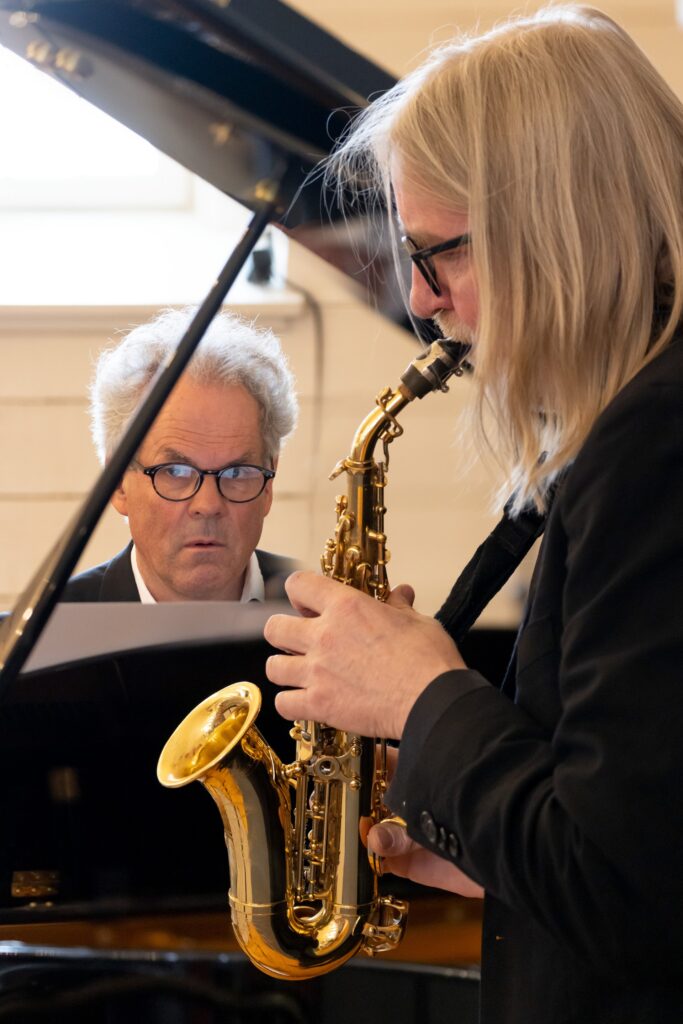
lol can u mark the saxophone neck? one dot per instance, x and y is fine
(380, 423)
(428, 372)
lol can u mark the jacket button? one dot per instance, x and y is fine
(428, 827)
(453, 845)
(441, 841)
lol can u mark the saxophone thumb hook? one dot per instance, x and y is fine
(388, 838)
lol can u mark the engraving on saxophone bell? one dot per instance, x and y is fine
(303, 894)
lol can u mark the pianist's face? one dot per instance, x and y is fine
(197, 549)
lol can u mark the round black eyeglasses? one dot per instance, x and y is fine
(422, 258)
(178, 481)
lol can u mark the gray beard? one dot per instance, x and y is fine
(452, 327)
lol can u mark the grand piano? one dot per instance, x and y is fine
(110, 908)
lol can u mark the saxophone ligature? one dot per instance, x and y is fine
(304, 894)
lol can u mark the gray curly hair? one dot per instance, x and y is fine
(233, 351)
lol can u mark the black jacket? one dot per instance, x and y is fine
(564, 797)
(114, 580)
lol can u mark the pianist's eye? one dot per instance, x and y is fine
(178, 471)
(240, 473)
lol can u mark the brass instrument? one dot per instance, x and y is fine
(304, 895)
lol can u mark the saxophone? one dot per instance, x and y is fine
(304, 894)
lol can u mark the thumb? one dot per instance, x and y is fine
(389, 839)
(402, 596)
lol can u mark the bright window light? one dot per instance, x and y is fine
(60, 152)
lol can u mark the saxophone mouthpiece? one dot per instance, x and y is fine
(430, 371)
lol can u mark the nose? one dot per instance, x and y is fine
(423, 302)
(208, 501)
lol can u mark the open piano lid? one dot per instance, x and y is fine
(241, 92)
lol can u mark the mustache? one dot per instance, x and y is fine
(453, 327)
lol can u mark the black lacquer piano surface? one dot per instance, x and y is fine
(106, 911)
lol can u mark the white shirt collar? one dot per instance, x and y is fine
(252, 590)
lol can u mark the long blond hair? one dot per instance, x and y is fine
(566, 147)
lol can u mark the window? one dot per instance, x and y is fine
(93, 215)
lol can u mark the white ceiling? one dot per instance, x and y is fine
(394, 32)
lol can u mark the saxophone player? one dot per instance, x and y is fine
(536, 174)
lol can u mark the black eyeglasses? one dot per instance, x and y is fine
(422, 258)
(178, 481)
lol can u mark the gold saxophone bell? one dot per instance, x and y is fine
(299, 906)
(303, 891)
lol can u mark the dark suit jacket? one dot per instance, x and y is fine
(566, 804)
(114, 580)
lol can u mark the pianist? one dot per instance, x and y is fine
(201, 484)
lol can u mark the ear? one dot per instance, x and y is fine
(119, 498)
